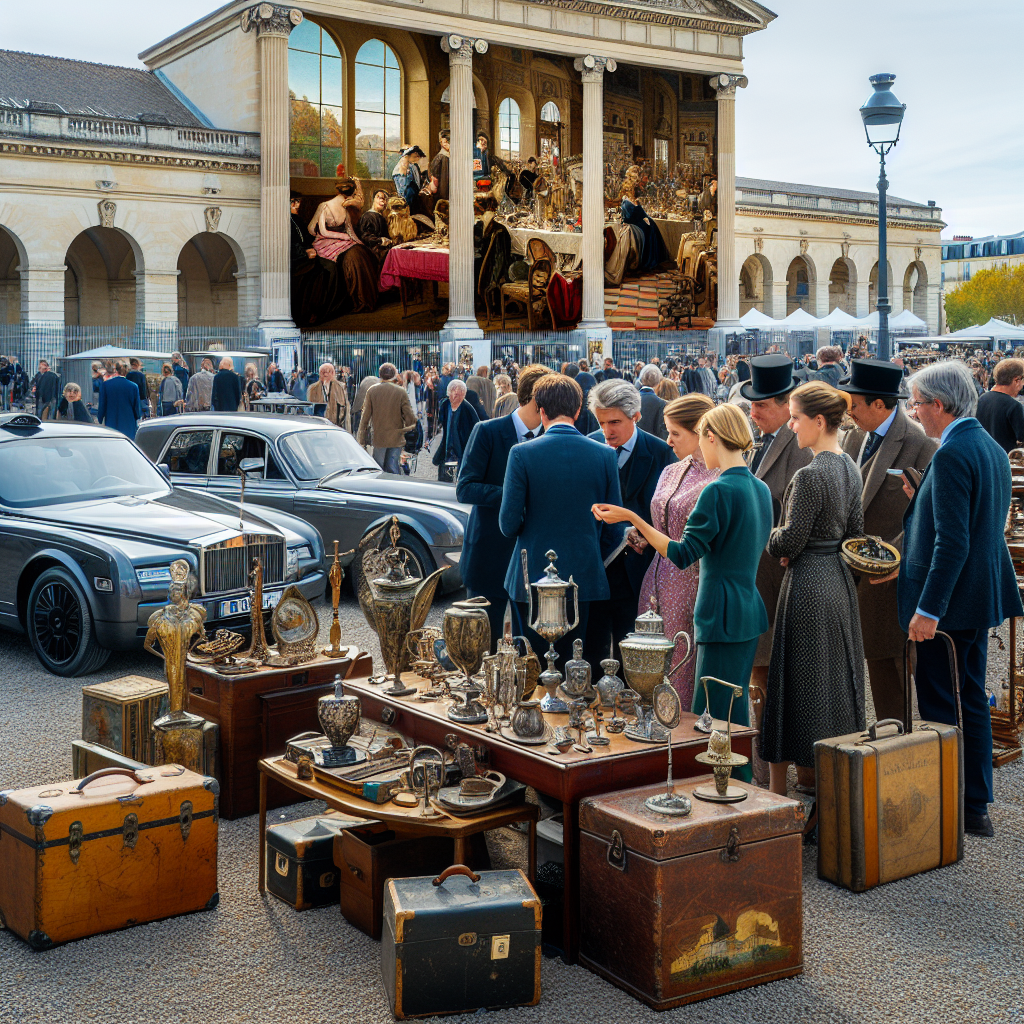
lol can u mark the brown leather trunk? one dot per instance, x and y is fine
(675, 910)
(117, 849)
(258, 713)
(890, 800)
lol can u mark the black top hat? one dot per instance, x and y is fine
(413, 150)
(770, 376)
(874, 377)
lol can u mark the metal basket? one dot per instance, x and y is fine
(865, 564)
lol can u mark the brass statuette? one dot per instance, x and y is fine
(335, 575)
(719, 756)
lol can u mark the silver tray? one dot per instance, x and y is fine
(546, 737)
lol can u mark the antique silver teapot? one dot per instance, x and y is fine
(551, 622)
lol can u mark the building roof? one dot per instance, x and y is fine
(61, 86)
(763, 185)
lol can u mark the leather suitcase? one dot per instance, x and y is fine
(461, 942)
(678, 909)
(118, 848)
(367, 856)
(251, 730)
(87, 758)
(891, 800)
(300, 860)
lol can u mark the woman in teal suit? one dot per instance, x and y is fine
(727, 530)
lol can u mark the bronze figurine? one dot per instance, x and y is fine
(335, 575)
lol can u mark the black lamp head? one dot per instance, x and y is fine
(882, 114)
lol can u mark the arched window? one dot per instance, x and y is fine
(316, 71)
(549, 112)
(508, 128)
(378, 110)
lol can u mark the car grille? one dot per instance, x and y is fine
(225, 566)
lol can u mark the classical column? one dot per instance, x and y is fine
(272, 25)
(156, 296)
(42, 294)
(728, 270)
(592, 70)
(863, 290)
(778, 300)
(461, 326)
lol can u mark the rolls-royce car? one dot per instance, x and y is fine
(316, 471)
(89, 528)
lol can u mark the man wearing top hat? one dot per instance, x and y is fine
(885, 438)
(774, 461)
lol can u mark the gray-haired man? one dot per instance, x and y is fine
(652, 407)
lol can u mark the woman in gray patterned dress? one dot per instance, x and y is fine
(816, 675)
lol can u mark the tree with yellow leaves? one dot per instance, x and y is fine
(997, 292)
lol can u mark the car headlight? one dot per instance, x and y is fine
(291, 572)
(156, 574)
(304, 552)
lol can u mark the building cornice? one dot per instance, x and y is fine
(146, 158)
(797, 213)
(656, 15)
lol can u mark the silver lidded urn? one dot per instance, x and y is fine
(551, 621)
(339, 715)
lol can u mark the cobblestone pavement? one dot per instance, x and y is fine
(944, 946)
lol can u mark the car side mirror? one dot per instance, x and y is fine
(165, 471)
(247, 466)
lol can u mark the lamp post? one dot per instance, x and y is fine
(882, 116)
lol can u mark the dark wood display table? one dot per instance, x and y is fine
(569, 777)
(258, 712)
(403, 820)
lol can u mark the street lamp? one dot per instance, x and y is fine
(882, 116)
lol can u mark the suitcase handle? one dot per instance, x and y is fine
(105, 772)
(456, 869)
(954, 678)
(875, 726)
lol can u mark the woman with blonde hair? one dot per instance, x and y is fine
(727, 531)
(816, 674)
(679, 486)
(252, 387)
(170, 394)
(667, 390)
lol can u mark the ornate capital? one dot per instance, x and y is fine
(107, 208)
(460, 49)
(212, 215)
(726, 85)
(270, 20)
(593, 68)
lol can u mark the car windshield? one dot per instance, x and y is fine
(55, 470)
(315, 454)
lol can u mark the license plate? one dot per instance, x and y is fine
(241, 605)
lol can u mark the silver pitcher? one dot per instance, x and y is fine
(551, 622)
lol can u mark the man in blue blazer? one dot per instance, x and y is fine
(640, 457)
(956, 575)
(550, 486)
(486, 551)
(120, 406)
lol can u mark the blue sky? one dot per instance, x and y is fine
(958, 69)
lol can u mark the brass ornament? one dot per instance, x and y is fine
(719, 756)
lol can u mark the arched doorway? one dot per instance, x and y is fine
(99, 283)
(207, 286)
(755, 283)
(842, 286)
(800, 285)
(873, 287)
(10, 279)
(915, 289)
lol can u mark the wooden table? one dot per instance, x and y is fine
(404, 820)
(568, 777)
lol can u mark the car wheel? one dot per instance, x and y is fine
(59, 624)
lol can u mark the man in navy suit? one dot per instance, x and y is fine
(956, 575)
(652, 406)
(120, 404)
(486, 551)
(550, 486)
(640, 457)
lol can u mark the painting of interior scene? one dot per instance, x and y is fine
(661, 202)
(369, 163)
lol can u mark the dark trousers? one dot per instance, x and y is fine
(540, 645)
(498, 600)
(886, 678)
(610, 620)
(935, 701)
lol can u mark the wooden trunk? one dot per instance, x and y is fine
(258, 712)
(300, 860)
(367, 856)
(119, 714)
(461, 946)
(117, 849)
(674, 910)
(889, 807)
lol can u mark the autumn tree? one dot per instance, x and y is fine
(997, 292)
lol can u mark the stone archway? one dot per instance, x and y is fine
(873, 287)
(915, 289)
(842, 286)
(756, 280)
(801, 285)
(99, 283)
(207, 282)
(10, 278)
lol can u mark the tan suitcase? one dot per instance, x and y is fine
(891, 800)
(119, 848)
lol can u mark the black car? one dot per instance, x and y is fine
(316, 471)
(89, 528)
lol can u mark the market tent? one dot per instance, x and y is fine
(995, 329)
(906, 320)
(800, 320)
(115, 352)
(838, 318)
(754, 318)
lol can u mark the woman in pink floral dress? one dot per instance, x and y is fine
(674, 498)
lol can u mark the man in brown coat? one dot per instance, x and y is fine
(774, 461)
(330, 392)
(484, 387)
(388, 413)
(885, 438)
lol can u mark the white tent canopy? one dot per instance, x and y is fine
(996, 329)
(906, 320)
(838, 318)
(801, 320)
(114, 352)
(755, 318)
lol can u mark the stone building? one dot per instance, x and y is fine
(964, 256)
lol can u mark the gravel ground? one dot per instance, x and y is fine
(939, 947)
